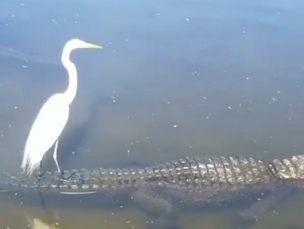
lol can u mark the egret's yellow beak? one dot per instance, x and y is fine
(94, 46)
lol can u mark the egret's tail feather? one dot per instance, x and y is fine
(24, 162)
(28, 165)
(31, 168)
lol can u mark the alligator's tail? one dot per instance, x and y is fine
(18, 183)
(17, 188)
(47, 195)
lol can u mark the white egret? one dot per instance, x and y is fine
(53, 115)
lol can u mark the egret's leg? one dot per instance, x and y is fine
(55, 156)
(41, 163)
(40, 174)
(55, 159)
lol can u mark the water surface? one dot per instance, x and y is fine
(175, 79)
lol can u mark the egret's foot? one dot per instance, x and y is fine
(66, 178)
(39, 176)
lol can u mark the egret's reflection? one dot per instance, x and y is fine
(48, 221)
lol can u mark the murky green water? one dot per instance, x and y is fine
(288, 215)
(175, 79)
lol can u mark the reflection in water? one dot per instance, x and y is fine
(40, 223)
(130, 218)
(44, 219)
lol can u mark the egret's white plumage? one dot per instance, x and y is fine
(53, 115)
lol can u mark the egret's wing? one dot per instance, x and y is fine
(47, 127)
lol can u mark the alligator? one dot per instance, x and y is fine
(163, 191)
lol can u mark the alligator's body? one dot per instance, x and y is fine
(192, 183)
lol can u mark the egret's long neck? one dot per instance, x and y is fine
(70, 93)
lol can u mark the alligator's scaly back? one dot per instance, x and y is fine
(288, 168)
(189, 173)
(183, 173)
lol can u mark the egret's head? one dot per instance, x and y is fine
(77, 43)
(74, 44)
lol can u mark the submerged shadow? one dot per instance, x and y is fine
(73, 139)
